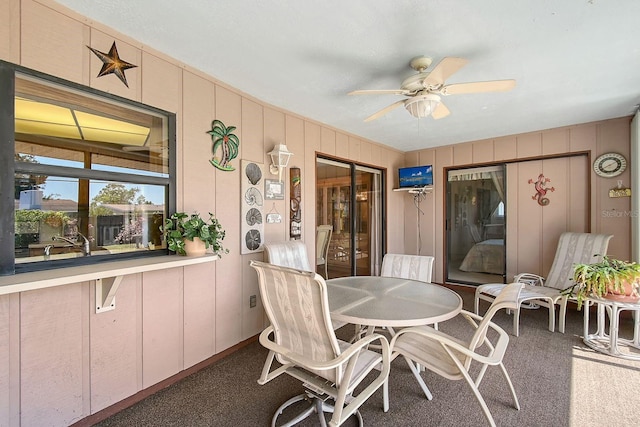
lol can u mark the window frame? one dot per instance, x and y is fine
(9, 167)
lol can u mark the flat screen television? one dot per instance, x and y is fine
(415, 176)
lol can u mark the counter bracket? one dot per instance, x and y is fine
(106, 289)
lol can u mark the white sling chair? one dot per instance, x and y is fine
(451, 357)
(573, 248)
(414, 267)
(323, 238)
(302, 341)
(291, 254)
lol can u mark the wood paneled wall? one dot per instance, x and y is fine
(533, 230)
(59, 361)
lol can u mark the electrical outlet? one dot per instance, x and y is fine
(252, 301)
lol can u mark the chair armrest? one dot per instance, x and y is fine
(529, 279)
(353, 350)
(449, 343)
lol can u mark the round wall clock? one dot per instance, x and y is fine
(609, 165)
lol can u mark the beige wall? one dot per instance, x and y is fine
(59, 361)
(533, 230)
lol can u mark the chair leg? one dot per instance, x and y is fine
(320, 410)
(513, 391)
(385, 395)
(476, 392)
(476, 303)
(416, 373)
(304, 414)
(326, 271)
(516, 322)
(552, 315)
(562, 316)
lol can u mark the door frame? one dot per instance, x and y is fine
(352, 203)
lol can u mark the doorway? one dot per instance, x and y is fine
(476, 219)
(349, 199)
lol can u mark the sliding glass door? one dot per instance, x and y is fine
(476, 225)
(349, 199)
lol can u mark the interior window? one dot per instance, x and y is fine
(91, 175)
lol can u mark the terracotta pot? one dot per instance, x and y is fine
(195, 247)
(629, 295)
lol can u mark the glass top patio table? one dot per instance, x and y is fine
(390, 302)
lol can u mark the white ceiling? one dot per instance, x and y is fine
(575, 61)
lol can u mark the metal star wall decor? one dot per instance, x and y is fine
(112, 64)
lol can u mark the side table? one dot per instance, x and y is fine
(608, 341)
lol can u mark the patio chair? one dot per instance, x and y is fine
(573, 248)
(302, 343)
(414, 267)
(323, 238)
(291, 254)
(452, 358)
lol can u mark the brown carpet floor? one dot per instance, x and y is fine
(558, 379)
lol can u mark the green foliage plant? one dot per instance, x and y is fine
(607, 276)
(52, 218)
(181, 226)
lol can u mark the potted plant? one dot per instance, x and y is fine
(610, 278)
(192, 235)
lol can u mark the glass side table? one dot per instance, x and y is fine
(606, 340)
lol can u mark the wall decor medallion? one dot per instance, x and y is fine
(112, 64)
(295, 231)
(252, 210)
(228, 143)
(541, 190)
(609, 165)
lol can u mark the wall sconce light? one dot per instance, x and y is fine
(280, 156)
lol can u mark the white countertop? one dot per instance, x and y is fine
(63, 276)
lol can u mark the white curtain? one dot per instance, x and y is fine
(498, 181)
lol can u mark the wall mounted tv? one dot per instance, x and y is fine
(415, 176)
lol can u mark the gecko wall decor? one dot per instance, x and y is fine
(541, 190)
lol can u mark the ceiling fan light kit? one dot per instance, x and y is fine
(422, 106)
(424, 88)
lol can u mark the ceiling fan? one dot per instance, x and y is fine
(425, 88)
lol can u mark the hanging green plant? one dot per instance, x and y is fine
(228, 143)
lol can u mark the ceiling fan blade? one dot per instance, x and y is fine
(380, 91)
(444, 70)
(440, 111)
(384, 110)
(479, 87)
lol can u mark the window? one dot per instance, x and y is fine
(91, 174)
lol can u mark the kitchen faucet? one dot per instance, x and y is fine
(86, 245)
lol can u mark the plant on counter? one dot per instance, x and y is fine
(180, 227)
(609, 278)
